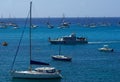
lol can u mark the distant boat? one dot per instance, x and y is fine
(49, 24)
(34, 26)
(15, 27)
(37, 73)
(105, 48)
(64, 24)
(104, 24)
(92, 25)
(71, 39)
(2, 25)
(118, 24)
(11, 23)
(61, 57)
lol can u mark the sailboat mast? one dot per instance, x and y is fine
(63, 20)
(59, 49)
(30, 31)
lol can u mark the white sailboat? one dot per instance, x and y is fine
(64, 24)
(37, 73)
(49, 24)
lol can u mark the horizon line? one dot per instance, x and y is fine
(67, 17)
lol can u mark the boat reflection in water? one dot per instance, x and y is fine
(36, 80)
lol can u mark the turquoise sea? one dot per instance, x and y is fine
(87, 65)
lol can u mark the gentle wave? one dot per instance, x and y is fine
(103, 42)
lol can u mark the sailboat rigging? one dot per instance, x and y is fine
(60, 56)
(64, 24)
(40, 72)
(49, 24)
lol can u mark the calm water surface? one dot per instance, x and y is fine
(88, 64)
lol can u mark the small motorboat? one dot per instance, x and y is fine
(105, 48)
(61, 57)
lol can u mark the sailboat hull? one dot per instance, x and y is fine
(61, 58)
(35, 75)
